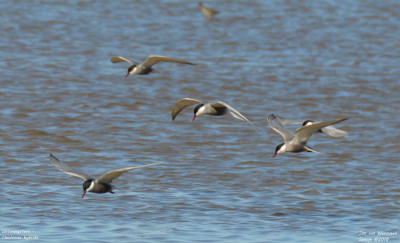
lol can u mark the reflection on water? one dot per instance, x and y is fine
(304, 60)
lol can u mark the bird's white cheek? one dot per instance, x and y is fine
(282, 149)
(91, 187)
(201, 111)
(133, 70)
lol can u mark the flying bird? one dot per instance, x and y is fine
(147, 66)
(208, 12)
(218, 108)
(297, 142)
(101, 185)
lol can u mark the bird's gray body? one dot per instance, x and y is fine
(213, 109)
(141, 69)
(297, 148)
(97, 186)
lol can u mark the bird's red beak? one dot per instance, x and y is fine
(194, 117)
(274, 155)
(84, 192)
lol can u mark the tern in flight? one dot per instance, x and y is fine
(147, 66)
(218, 108)
(101, 185)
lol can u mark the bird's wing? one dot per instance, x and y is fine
(334, 132)
(151, 60)
(120, 59)
(233, 112)
(111, 175)
(182, 104)
(278, 127)
(68, 170)
(287, 122)
(305, 132)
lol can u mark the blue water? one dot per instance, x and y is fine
(320, 60)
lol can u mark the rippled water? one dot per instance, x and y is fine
(301, 59)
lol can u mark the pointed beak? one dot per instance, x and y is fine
(194, 117)
(127, 74)
(274, 155)
(84, 192)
